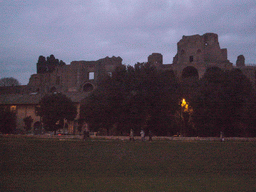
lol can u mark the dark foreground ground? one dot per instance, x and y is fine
(36, 164)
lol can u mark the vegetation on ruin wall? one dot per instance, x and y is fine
(142, 97)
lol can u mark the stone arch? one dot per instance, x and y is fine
(88, 87)
(189, 72)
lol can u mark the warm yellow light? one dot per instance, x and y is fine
(184, 104)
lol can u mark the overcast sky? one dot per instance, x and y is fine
(132, 29)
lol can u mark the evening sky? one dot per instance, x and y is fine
(132, 29)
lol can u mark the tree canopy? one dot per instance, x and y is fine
(134, 97)
(54, 109)
(218, 104)
(248, 117)
(9, 81)
(7, 120)
(28, 123)
(144, 97)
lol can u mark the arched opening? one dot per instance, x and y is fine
(88, 87)
(189, 72)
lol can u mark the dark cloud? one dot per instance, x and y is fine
(93, 29)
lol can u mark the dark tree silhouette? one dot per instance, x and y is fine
(134, 97)
(219, 102)
(7, 120)
(54, 109)
(249, 117)
(28, 123)
(9, 81)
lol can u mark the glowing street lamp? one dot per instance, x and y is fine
(185, 111)
(184, 105)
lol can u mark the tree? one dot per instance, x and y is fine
(249, 117)
(218, 104)
(134, 97)
(104, 106)
(9, 81)
(28, 123)
(155, 100)
(7, 120)
(188, 86)
(54, 109)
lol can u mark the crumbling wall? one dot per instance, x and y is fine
(200, 52)
(155, 59)
(72, 78)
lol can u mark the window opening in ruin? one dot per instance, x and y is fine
(87, 87)
(191, 59)
(206, 44)
(182, 52)
(91, 75)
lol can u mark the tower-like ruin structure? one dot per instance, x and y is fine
(200, 52)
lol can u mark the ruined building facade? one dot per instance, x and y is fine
(199, 52)
(196, 51)
(79, 78)
(76, 81)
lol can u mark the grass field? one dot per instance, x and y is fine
(29, 164)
